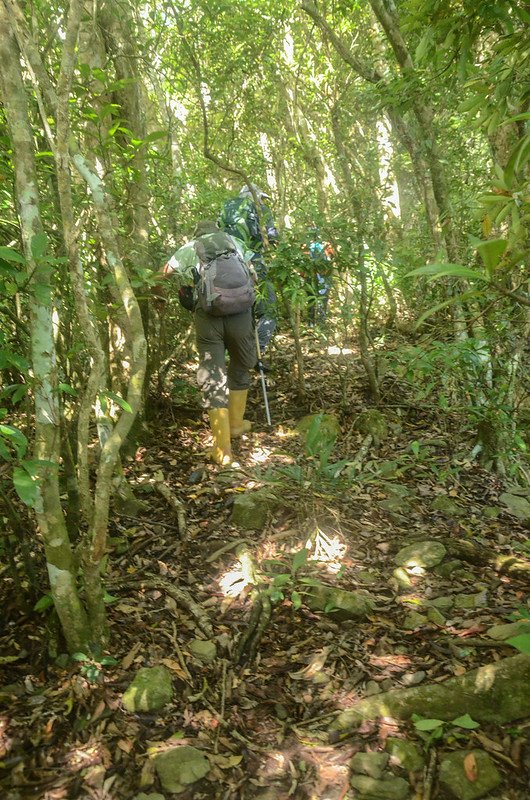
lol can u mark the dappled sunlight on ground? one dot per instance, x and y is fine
(333, 350)
(328, 550)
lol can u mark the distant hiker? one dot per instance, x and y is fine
(319, 279)
(217, 283)
(241, 218)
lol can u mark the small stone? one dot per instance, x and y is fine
(371, 688)
(326, 426)
(444, 505)
(368, 576)
(502, 632)
(404, 754)
(436, 617)
(204, 651)
(413, 678)
(448, 568)
(453, 776)
(491, 512)
(444, 603)
(517, 506)
(372, 764)
(340, 602)
(402, 577)
(150, 690)
(396, 505)
(420, 554)
(150, 796)
(181, 766)
(470, 600)
(413, 620)
(372, 422)
(386, 789)
(252, 509)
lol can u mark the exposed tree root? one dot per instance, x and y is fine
(181, 597)
(249, 641)
(496, 692)
(487, 557)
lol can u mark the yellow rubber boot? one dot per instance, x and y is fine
(221, 451)
(237, 402)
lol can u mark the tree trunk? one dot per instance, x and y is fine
(59, 556)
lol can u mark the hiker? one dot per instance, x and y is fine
(217, 284)
(319, 279)
(240, 218)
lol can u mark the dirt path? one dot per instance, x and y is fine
(264, 725)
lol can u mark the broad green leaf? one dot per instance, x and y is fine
(415, 447)
(39, 244)
(428, 724)
(154, 136)
(491, 252)
(16, 437)
(521, 643)
(300, 558)
(296, 600)
(25, 486)
(44, 603)
(457, 298)
(108, 661)
(119, 400)
(65, 387)
(465, 722)
(282, 579)
(447, 271)
(9, 254)
(518, 159)
(80, 657)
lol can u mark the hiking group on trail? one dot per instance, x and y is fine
(222, 277)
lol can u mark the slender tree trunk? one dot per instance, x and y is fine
(59, 556)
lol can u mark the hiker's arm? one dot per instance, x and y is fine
(179, 268)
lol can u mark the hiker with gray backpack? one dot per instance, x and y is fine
(217, 283)
(241, 217)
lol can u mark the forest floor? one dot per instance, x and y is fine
(264, 725)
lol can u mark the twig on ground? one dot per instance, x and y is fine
(175, 504)
(428, 775)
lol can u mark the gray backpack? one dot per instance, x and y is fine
(225, 285)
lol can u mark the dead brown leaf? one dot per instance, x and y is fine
(470, 767)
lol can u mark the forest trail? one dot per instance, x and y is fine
(264, 725)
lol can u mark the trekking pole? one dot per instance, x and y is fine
(263, 381)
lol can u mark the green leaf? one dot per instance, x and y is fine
(465, 722)
(447, 271)
(154, 136)
(282, 579)
(16, 438)
(119, 401)
(44, 603)
(65, 387)
(80, 657)
(108, 661)
(296, 600)
(39, 244)
(110, 598)
(491, 252)
(415, 447)
(25, 486)
(300, 559)
(521, 643)
(456, 298)
(428, 724)
(9, 254)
